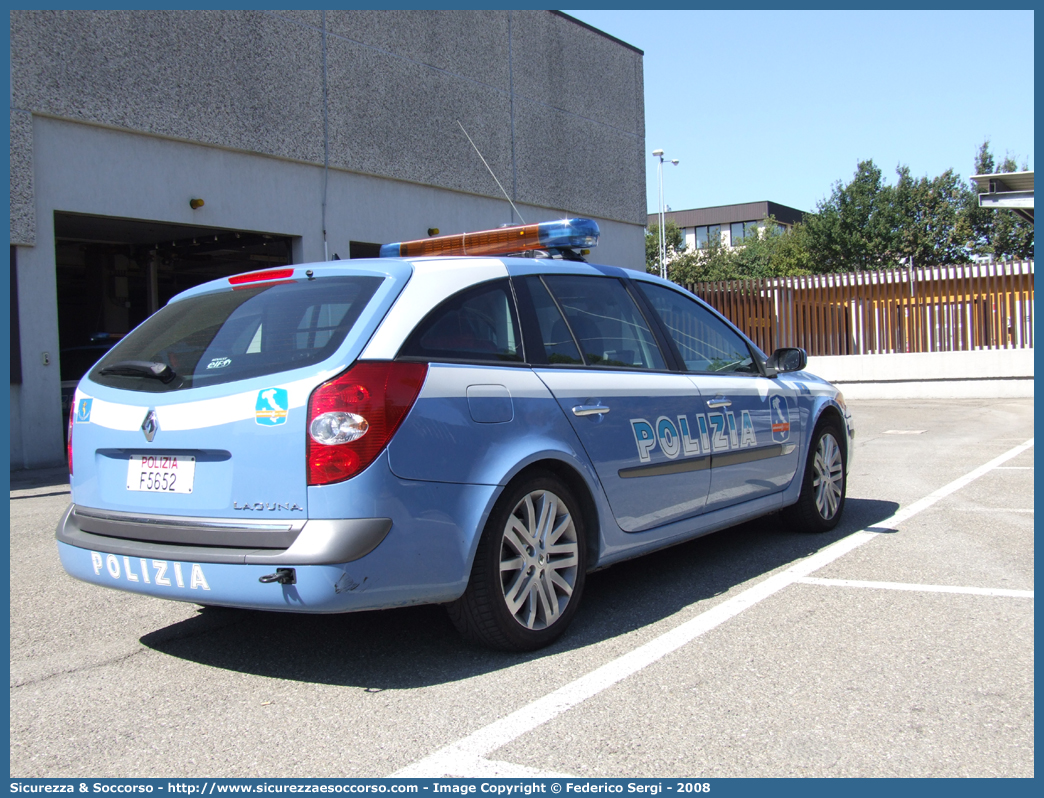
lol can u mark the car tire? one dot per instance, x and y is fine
(822, 499)
(529, 568)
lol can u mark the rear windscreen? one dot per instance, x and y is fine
(237, 334)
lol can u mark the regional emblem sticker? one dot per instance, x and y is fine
(272, 407)
(83, 411)
(780, 419)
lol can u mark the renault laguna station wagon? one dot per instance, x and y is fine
(475, 420)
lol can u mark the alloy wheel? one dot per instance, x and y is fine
(827, 476)
(539, 560)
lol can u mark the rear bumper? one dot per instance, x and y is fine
(318, 588)
(313, 542)
(163, 557)
(414, 545)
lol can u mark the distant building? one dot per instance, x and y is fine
(732, 222)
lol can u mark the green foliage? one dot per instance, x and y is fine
(865, 224)
(868, 224)
(675, 244)
(932, 224)
(794, 254)
(774, 252)
(855, 229)
(713, 262)
(980, 220)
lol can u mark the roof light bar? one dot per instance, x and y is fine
(567, 233)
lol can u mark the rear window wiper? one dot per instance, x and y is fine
(141, 368)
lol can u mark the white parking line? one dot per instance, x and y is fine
(467, 757)
(990, 510)
(974, 591)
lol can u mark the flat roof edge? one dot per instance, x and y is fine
(593, 29)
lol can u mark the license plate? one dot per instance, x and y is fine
(161, 473)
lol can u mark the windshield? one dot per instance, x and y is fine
(232, 335)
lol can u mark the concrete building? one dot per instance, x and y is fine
(151, 151)
(732, 222)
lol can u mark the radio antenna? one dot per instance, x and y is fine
(491, 173)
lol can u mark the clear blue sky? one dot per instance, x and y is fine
(780, 105)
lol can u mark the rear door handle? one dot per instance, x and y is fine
(590, 410)
(719, 401)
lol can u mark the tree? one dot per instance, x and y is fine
(675, 244)
(773, 252)
(932, 228)
(980, 220)
(855, 229)
(868, 224)
(712, 262)
(793, 255)
(864, 224)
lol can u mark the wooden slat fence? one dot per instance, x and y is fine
(942, 309)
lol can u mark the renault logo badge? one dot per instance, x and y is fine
(150, 426)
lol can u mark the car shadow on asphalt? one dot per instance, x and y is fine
(57, 477)
(418, 646)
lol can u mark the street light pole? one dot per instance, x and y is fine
(658, 154)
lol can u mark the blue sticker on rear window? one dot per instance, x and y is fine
(272, 406)
(83, 410)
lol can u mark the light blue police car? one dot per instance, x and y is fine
(445, 424)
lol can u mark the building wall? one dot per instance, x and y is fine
(131, 114)
(556, 109)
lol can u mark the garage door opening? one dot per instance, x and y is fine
(114, 273)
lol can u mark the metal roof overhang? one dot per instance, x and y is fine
(1011, 190)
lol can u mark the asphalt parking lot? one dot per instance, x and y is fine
(900, 644)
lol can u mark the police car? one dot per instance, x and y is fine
(444, 424)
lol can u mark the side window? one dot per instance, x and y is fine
(605, 322)
(558, 342)
(477, 324)
(705, 342)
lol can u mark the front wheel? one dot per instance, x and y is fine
(528, 573)
(822, 498)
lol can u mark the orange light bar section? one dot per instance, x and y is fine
(485, 242)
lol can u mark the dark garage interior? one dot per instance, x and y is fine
(113, 273)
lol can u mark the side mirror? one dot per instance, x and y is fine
(786, 359)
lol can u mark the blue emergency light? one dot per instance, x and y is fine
(567, 234)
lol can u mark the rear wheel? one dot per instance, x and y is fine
(528, 574)
(822, 499)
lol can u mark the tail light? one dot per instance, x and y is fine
(68, 440)
(352, 417)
